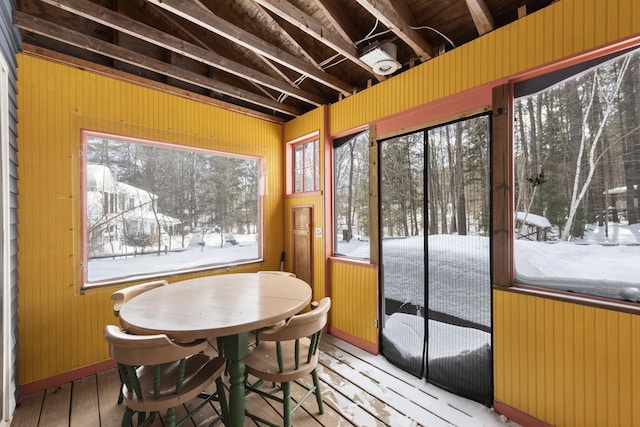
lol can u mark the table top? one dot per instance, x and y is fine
(216, 306)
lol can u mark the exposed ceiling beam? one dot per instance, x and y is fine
(263, 20)
(481, 16)
(168, 20)
(56, 32)
(134, 28)
(338, 18)
(384, 12)
(210, 21)
(258, 13)
(313, 28)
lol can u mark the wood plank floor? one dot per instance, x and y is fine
(359, 389)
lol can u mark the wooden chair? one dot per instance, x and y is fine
(282, 273)
(288, 353)
(125, 294)
(159, 375)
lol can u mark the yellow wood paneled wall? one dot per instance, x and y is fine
(561, 384)
(354, 296)
(352, 287)
(567, 364)
(60, 329)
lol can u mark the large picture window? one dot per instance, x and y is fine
(153, 208)
(577, 172)
(351, 195)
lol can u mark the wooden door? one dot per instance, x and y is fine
(302, 255)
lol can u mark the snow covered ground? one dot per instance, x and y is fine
(604, 263)
(193, 255)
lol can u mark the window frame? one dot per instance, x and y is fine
(290, 165)
(336, 143)
(562, 71)
(86, 283)
(315, 165)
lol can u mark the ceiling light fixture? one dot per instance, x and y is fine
(381, 58)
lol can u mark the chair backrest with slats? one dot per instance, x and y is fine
(159, 374)
(300, 325)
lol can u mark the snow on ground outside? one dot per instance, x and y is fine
(537, 220)
(190, 256)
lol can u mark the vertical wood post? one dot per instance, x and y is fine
(374, 209)
(501, 192)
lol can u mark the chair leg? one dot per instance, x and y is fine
(171, 417)
(222, 399)
(286, 400)
(127, 417)
(142, 416)
(316, 383)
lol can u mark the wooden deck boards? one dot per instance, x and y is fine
(359, 389)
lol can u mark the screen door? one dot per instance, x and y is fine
(436, 283)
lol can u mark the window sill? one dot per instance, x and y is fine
(173, 275)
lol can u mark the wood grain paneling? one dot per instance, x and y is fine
(56, 102)
(354, 299)
(567, 364)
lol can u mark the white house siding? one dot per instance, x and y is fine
(9, 46)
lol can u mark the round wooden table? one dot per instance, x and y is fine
(227, 306)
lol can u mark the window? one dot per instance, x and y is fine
(154, 208)
(577, 173)
(351, 195)
(306, 167)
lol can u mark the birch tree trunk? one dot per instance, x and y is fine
(579, 190)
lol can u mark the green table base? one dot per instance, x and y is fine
(235, 350)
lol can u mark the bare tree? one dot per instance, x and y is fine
(589, 144)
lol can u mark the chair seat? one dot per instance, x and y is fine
(262, 361)
(200, 372)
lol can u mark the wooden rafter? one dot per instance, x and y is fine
(338, 18)
(274, 28)
(481, 15)
(210, 21)
(39, 26)
(182, 32)
(144, 32)
(313, 28)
